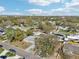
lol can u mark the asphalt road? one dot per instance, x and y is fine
(19, 51)
(68, 48)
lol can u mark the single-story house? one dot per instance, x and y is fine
(37, 33)
(73, 37)
(30, 39)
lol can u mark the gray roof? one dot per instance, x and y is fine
(30, 38)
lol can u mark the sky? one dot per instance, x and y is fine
(40, 7)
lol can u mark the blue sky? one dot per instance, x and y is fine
(40, 7)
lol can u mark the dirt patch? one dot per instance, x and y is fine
(21, 44)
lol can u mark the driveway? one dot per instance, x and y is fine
(19, 51)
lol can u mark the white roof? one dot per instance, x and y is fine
(30, 38)
(66, 39)
(37, 33)
(73, 37)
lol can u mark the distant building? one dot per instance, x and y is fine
(62, 27)
(37, 33)
(21, 20)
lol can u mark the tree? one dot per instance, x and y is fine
(29, 32)
(18, 36)
(44, 45)
(9, 33)
(46, 26)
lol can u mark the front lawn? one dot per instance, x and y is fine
(1, 50)
(10, 54)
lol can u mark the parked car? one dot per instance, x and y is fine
(3, 57)
(2, 32)
(12, 50)
(1, 46)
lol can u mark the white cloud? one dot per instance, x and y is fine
(73, 4)
(75, 1)
(4, 12)
(43, 2)
(11, 13)
(36, 11)
(59, 11)
(2, 9)
(55, 12)
(71, 8)
(66, 11)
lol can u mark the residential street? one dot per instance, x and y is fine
(19, 51)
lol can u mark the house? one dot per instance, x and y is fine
(30, 39)
(73, 37)
(21, 21)
(62, 27)
(37, 33)
(18, 27)
(60, 36)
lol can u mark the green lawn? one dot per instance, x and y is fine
(1, 50)
(10, 54)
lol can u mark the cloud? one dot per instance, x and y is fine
(65, 11)
(2, 9)
(11, 13)
(73, 4)
(70, 8)
(75, 1)
(43, 2)
(36, 11)
(51, 12)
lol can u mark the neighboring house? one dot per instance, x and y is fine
(62, 27)
(8, 22)
(73, 37)
(21, 20)
(37, 33)
(30, 39)
(52, 22)
(21, 28)
(60, 37)
(51, 18)
(8, 26)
